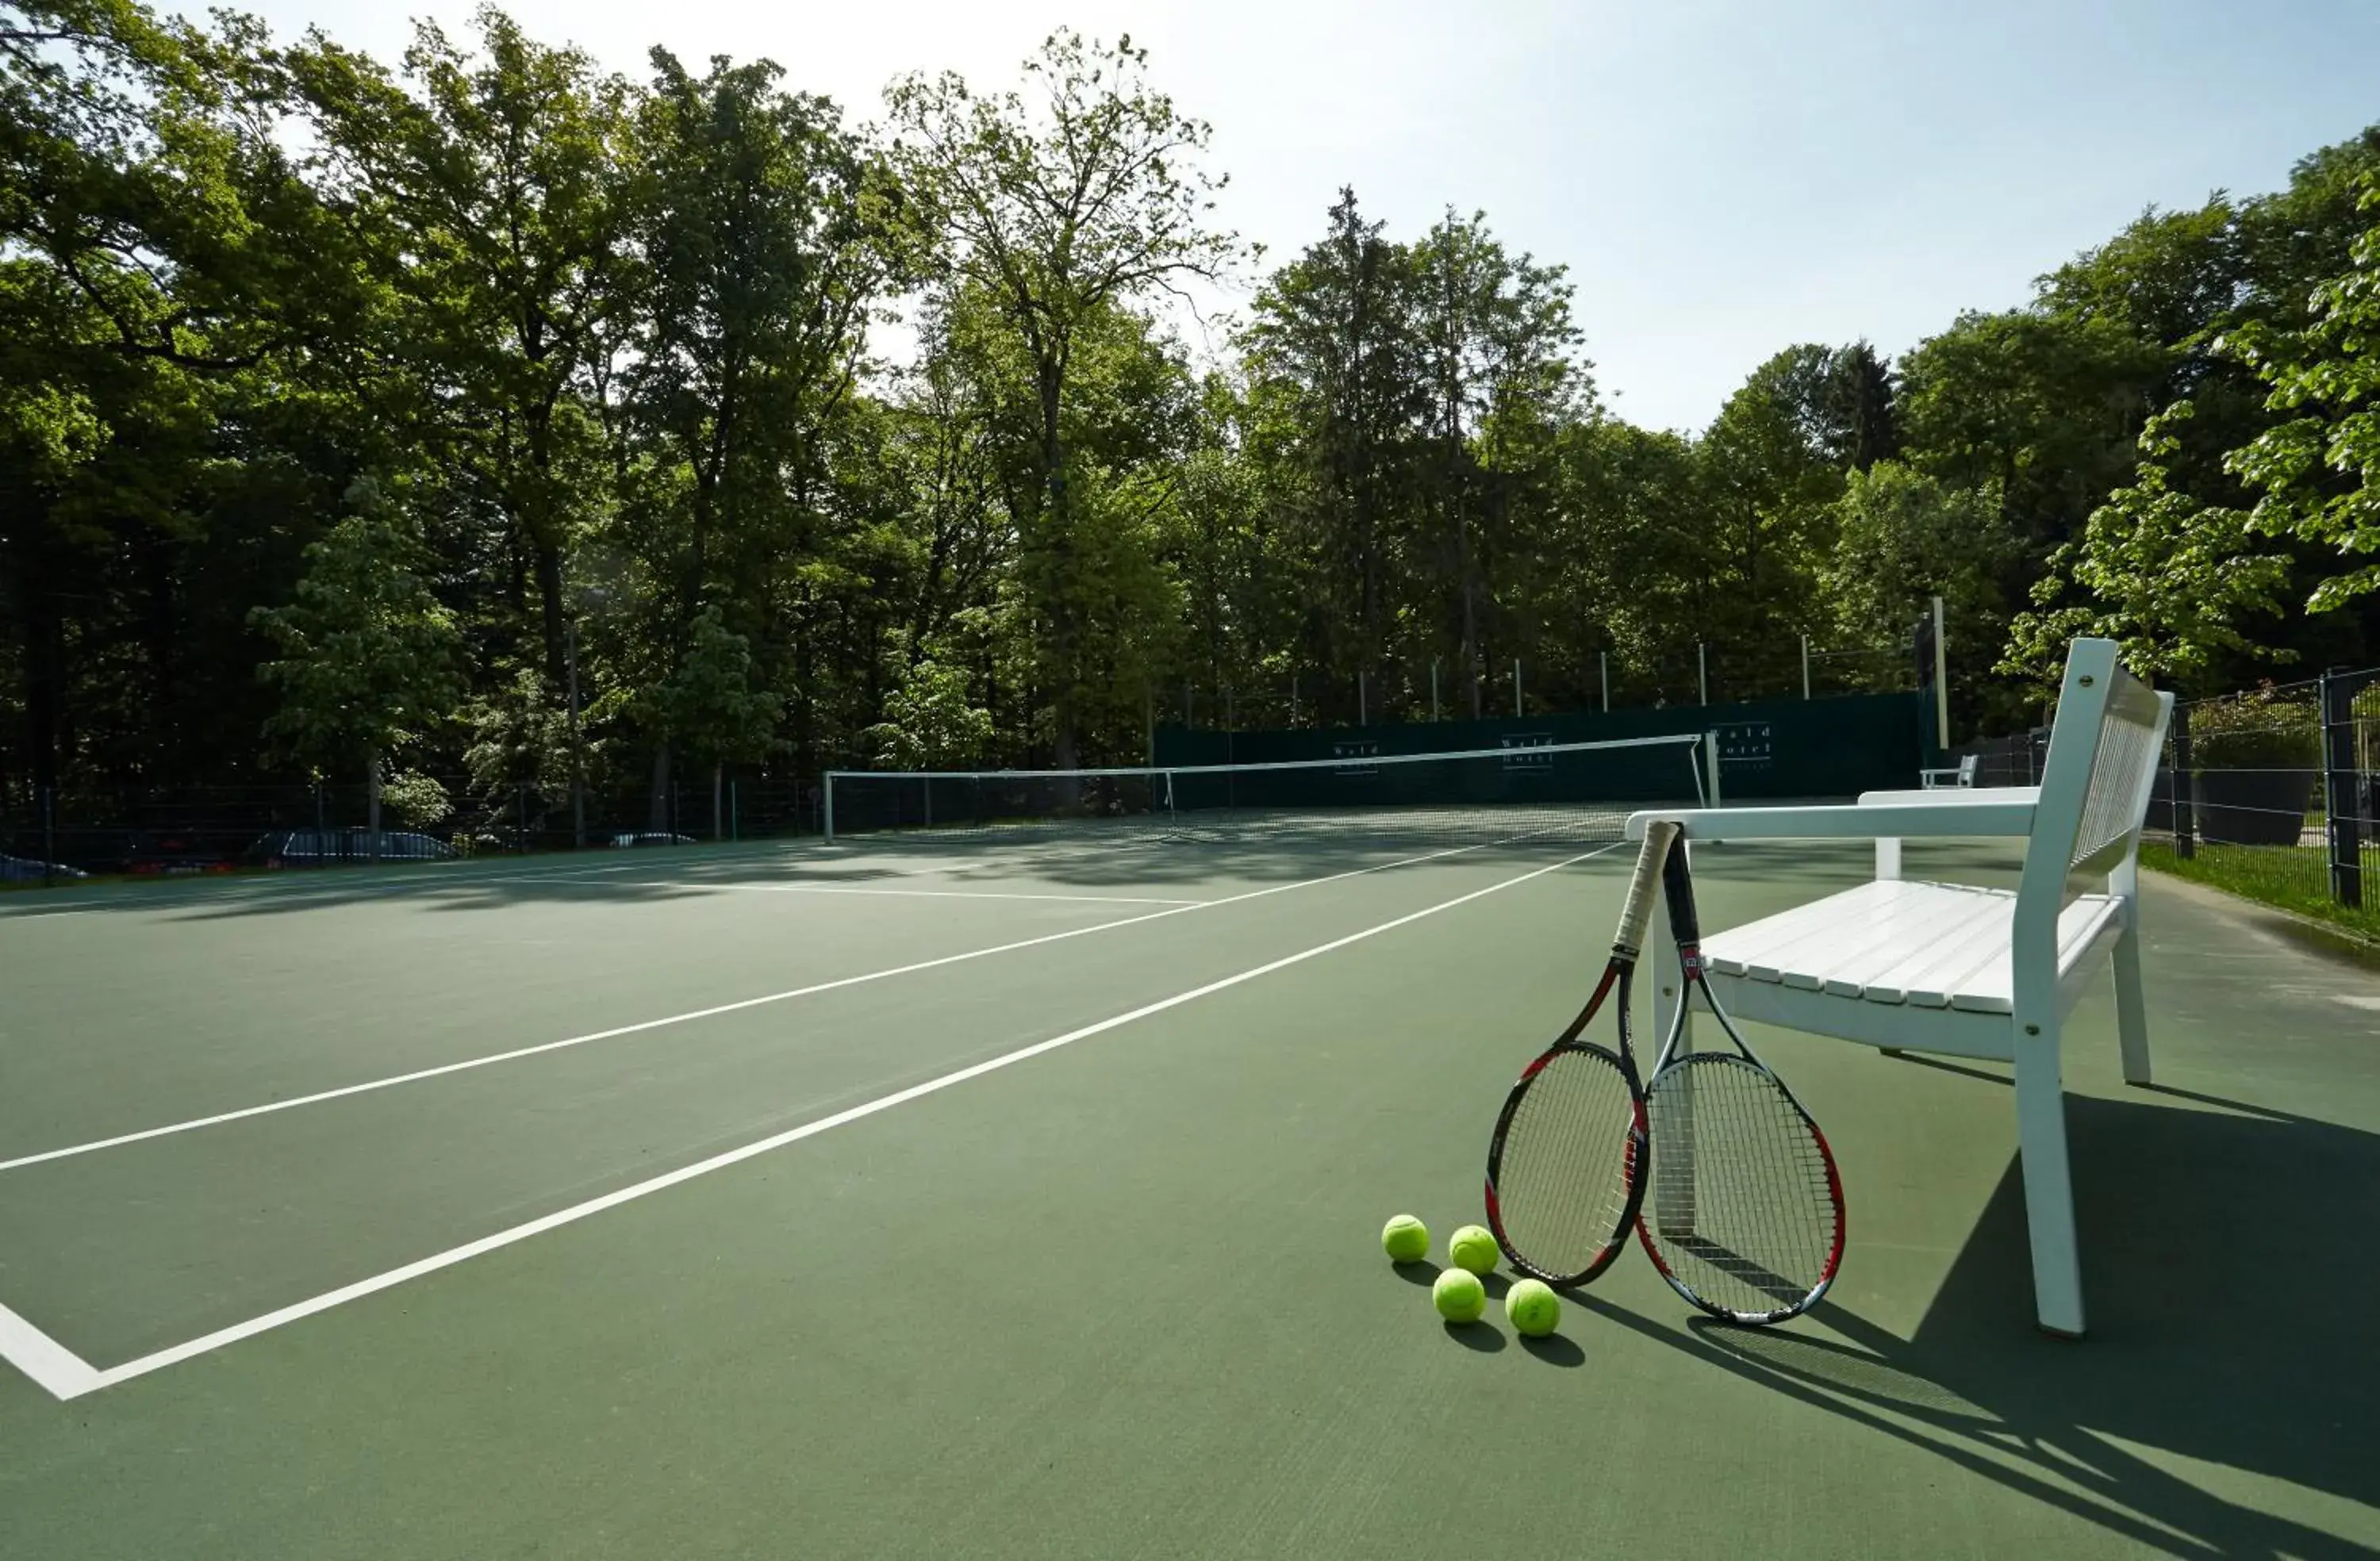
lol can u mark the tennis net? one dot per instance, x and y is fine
(1553, 792)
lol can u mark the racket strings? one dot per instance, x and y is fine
(1743, 1206)
(1563, 1178)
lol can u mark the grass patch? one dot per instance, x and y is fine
(2293, 878)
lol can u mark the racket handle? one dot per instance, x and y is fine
(1637, 915)
(1677, 881)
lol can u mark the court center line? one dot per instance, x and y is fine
(417, 1076)
(207, 1343)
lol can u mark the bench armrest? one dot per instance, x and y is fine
(1941, 820)
(1963, 796)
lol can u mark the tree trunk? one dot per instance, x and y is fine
(657, 814)
(1057, 545)
(549, 595)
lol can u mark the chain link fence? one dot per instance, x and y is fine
(2271, 792)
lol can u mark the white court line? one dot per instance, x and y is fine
(904, 893)
(66, 1382)
(393, 1080)
(56, 1369)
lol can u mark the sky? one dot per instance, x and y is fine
(1723, 178)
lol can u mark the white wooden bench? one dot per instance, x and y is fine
(1969, 971)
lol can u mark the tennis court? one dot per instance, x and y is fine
(1003, 1193)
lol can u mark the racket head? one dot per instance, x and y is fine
(1564, 1167)
(1741, 1208)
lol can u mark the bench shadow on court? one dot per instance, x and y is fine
(2230, 1271)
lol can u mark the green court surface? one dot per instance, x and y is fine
(720, 1204)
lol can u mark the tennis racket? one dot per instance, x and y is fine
(1742, 1211)
(1565, 1168)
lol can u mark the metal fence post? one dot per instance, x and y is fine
(49, 837)
(2185, 789)
(2339, 789)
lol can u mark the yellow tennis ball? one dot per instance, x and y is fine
(1474, 1248)
(1459, 1296)
(1405, 1240)
(1533, 1307)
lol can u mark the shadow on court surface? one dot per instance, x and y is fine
(1059, 859)
(2230, 1265)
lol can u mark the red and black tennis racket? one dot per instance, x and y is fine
(1742, 1210)
(1565, 1168)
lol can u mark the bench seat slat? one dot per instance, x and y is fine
(1894, 941)
(1766, 950)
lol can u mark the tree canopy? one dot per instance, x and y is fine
(354, 413)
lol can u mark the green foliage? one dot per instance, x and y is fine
(414, 799)
(709, 703)
(601, 346)
(930, 722)
(520, 736)
(2259, 730)
(2169, 577)
(1901, 538)
(366, 662)
(2319, 469)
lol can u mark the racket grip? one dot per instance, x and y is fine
(1678, 884)
(1637, 914)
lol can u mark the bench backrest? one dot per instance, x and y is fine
(2104, 747)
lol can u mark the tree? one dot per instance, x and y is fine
(929, 724)
(1055, 211)
(1498, 347)
(2164, 574)
(1860, 407)
(496, 191)
(2319, 469)
(1902, 538)
(1337, 395)
(367, 654)
(709, 705)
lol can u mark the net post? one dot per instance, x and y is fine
(826, 822)
(1710, 762)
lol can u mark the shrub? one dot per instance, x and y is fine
(2258, 729)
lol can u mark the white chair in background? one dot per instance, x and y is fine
(1961, 774)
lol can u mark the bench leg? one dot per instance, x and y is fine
(2132, 1014)
(2048, 1184)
